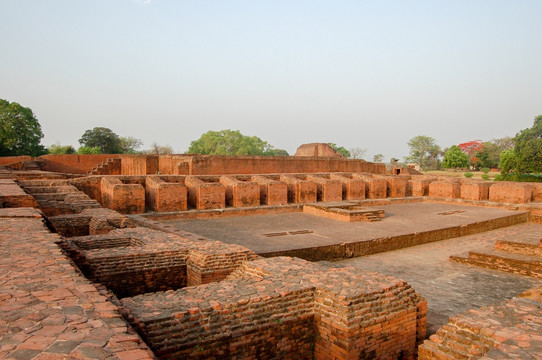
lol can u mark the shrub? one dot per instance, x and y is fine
(485, 170)
(485, 176)
(519, 177)
(468, 175)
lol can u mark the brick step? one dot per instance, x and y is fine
(499, 260)
(434, 349)
(513, 247)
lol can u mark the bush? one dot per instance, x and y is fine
(468, 175)
(485, 176)
(485, 170)
(519, 177)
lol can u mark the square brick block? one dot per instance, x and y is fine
(353, 189)
(124, 198)
(240, 193)
(475, 191)
(445, 189)
(205, 194)
(328, 190)
(164, 196)
(300, 191)
(509, 192)
(272, 192)
(375, 188)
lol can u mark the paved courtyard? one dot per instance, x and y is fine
(401, 219)
(448, 287)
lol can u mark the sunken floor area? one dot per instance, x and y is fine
(316, 238)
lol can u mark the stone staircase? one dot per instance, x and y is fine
(109, 167)
(521, 256)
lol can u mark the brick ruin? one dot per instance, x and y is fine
(175, 294)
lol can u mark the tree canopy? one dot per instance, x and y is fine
(508, 161)
(58, 149)
(340, 149)
(528, 148)
(424, 151)
(20, 131)
(103, 138)
(455, 158)
(232, 142)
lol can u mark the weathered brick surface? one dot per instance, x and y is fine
(509, 330)
(240, 193)
(300, 191)
(445, 189)
(205, 194)
(509, 192)
(396, 186)
(352, 189)
(472, 190)
(272, 192)
(139, 260)
(418, 186)
(275, 308)
(344, 211)
(165, 196)
(47, 309)
(375, 188)
(328, 189)
(124, 198)
(11, 195)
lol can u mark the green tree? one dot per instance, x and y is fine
(490, 154)
(340, 149)
(508, 161)
(20, 131)
(87, 150)
(230, 142)
(58, 149)
(455, 158)
(129, 145)
(424, 151)
(104, 138)
(528, 148)
(276, 152)
(378, 158)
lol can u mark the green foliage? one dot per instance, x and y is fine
(378, 158)
(455, 158)
(339, 149)
(490, 154)
(58, 149)
(486, 170)
(103, 138)
(468, 175)
(424, 151)
(519, 177)
(232, 142)
(129, 145)
(508, 161)
(485, 176)
(20, 131)
(528, 148)
(87, 150)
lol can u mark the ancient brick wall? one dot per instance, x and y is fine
(510, 192)
(278, 307)
(165, 196)
(73, 163)
(6, 160)
(139, 260)
(124, 198)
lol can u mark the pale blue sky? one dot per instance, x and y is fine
(369, 74)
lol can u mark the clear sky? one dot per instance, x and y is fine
(369, 74)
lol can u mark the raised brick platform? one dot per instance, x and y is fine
(284, 308)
